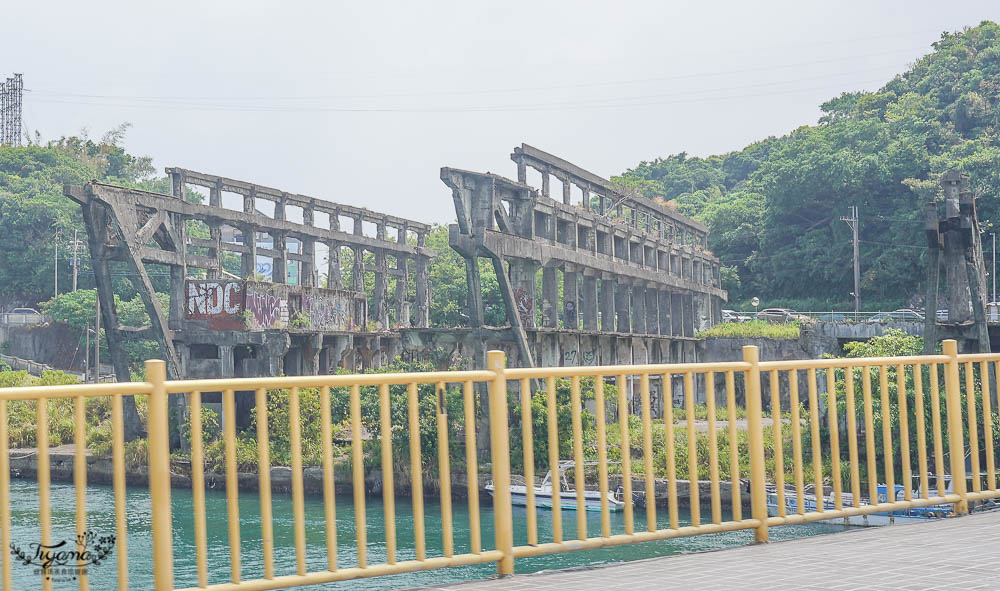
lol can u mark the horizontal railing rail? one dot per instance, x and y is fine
(653, 452)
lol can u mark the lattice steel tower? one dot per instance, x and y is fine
(10, 111)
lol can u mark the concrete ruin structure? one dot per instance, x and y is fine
(954, 242)
(637, 280)
(266, 282)
(244, 284)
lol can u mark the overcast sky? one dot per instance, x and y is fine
(363, 102)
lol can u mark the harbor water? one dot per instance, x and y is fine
(100, 505)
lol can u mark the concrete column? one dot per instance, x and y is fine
(664, 311)
(567, 190)
(676, 314)
(639, 308)
(279, 264)
(590, 302)
(215, 194)
(358, 270)
(423, 304)
(585, 201)
(308, 265)
(333, 278)
(522, 172)
(607, 303)
(571, 291)
(215, 232)
(652, 311)
(522, 279)
(248, 266)
(688, 315)
(550, 297)
(250, 201)
(380, 300)
(545, 184)
(401, 307)
(623, 306)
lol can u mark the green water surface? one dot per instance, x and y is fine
(100, 505)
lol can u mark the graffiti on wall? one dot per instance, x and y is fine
(324, 310)
(214, 299)
(238, 305)
(265, 307)
(524, 303)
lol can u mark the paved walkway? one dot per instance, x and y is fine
(958, 553)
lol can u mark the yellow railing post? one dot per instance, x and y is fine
(500, 462)
(159, 477)
(758, 478)
(956, 437)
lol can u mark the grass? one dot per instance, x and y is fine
(752, 329)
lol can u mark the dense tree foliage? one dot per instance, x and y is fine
(774, 207)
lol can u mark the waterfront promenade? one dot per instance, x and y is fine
(958, 553)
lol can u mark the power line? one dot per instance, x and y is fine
(578, 105)
(690, 76)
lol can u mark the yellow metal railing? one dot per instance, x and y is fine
(820, 431)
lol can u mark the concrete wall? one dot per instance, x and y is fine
(54, 344)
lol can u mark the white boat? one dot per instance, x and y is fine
(567, 493)
(809, 505)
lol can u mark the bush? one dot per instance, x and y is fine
(752, 329)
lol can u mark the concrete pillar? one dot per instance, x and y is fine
(567, 190)
(380, 299)
(639, 308)
(689, 315)
(652, 311)
(279, 264)
(308, 264)
(676, 314)
(401, 306)
(545, 184)
(589, 305)
(215, 194)
(571, 291)
(423, 297)
(333, 278)
(623, 306)
(522, 279)
(664, 311)
(607, 303)
(358, 270)
(248, 265)
(550, 297)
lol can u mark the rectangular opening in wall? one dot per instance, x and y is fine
(602, 243)
(203, 351)
(346, 224)
(582, 232)
(555, 188)
(233, 201)
(369, 229)
(196, 194)
(620, 248)
(264, 206)
(321, 219)
(412, 237)
(294, 214)
(576, 196)
(543, 225)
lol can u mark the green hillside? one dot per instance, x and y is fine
(774, 207)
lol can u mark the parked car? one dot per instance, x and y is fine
(734, 316)
(780, 315)
(25, 312)
(902, 314)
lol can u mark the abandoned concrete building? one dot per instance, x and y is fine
(637, 280)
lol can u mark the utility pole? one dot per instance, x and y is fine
(76, 246)
(97, 341)
(994, 273)
(853, 223)
(55, 258)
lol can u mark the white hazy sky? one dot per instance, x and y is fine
(363, 102)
